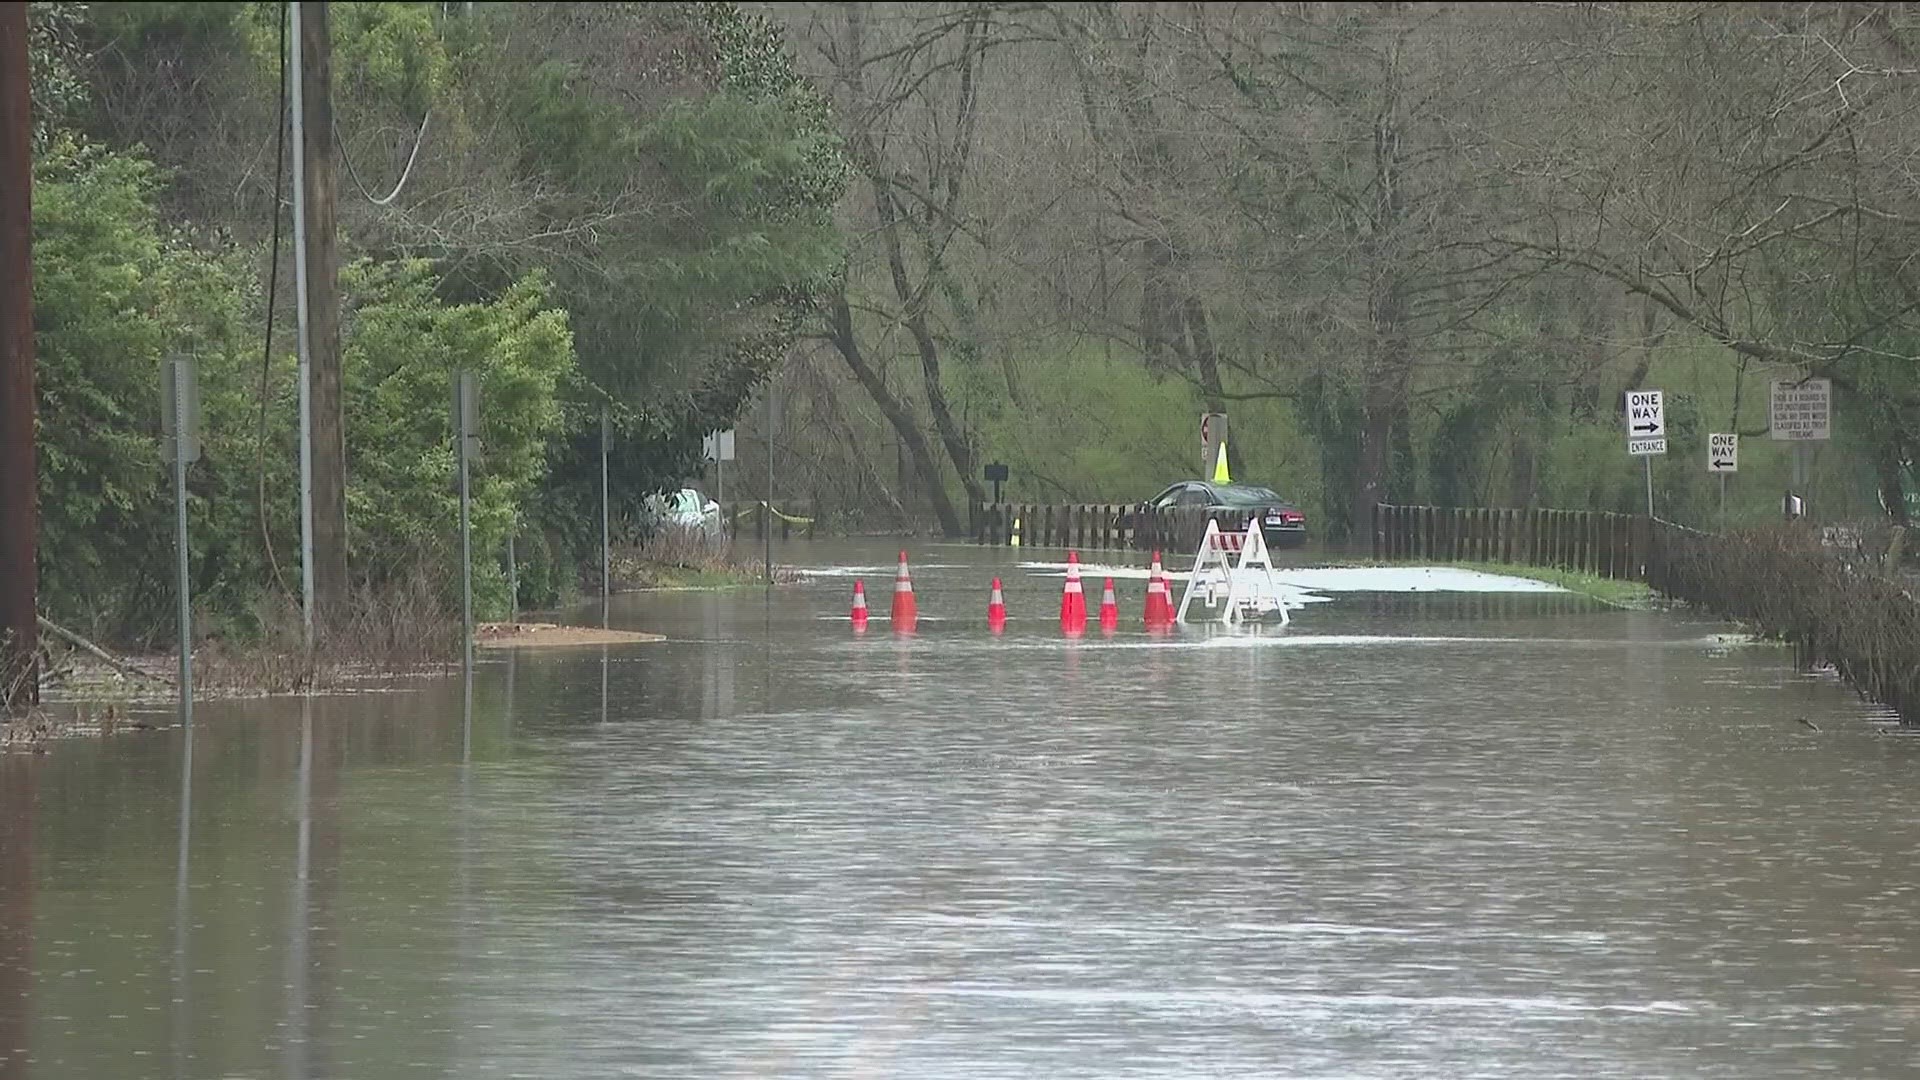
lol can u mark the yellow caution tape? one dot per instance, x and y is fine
(788, 518)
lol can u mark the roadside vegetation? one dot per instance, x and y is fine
(614, 207)
(1416, 253)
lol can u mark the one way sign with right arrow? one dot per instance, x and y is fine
(1646, 423)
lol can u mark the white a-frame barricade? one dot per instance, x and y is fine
(1240, 590)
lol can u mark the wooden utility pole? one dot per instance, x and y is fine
(19, 508)
(320, 191)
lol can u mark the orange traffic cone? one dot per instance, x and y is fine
(1159, 600)
(859, 605)
(1073, 600)
(996, 609)
(1109, 610)
(905, 610)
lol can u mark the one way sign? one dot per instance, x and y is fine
(1646, 423)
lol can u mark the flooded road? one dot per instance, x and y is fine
(1426, 835)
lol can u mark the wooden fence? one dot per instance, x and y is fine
(1611, 545)
(1099, 525)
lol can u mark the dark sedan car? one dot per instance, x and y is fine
(1280, 520)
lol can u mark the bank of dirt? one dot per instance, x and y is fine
(550, 635)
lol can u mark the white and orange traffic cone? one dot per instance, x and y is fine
(996, 609)
(1109, 610)
(1073, 599)
(1159, 601)
(859, 605)
(905, 611)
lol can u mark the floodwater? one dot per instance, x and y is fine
(1432, 835)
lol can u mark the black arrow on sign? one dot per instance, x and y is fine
(1646, 427)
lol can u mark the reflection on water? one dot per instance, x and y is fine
(17, 886)
(1428, 835)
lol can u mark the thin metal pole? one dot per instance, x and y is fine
(1723, 500)
(1648, 460)
(460, 437)
(766, 519)
(1800, 471)
(19, 508)
(300, 308)
(606, 542)
(175, 372)
(513, 573)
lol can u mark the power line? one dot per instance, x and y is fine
(273, 292)
(419, 140)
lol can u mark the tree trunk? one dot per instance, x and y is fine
(914, 308)
(1206, 365)
(1383, 404)
(840, 326)
(1892, 495)
(1369, 478)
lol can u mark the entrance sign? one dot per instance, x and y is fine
(1241, 589)
(1646, 423)
(1801, 410)
(1723, 453)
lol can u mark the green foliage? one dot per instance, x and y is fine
(54, 59)
(400, 356)
(1094, 427)
(115, 293)
(389, 51)
(713, 228)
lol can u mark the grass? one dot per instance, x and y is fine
(1619, 592)
(676, 559)
(1615, 591)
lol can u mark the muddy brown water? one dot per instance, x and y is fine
(1428, 835)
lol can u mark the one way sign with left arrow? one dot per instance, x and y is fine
(1646, 423)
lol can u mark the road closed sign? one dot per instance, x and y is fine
(1646, 423)
(1723, 453)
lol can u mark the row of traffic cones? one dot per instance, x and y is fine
(1073, 602)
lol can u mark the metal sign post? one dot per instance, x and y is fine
(466, 434)
(606, 542)
(180, 431)
(766, 519)
(1646, 431)
(513, 573)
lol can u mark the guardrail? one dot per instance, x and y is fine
(1611, 545)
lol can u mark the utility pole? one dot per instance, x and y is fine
(19, 511)
(314, 229)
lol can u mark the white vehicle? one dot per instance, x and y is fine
(686, 510)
